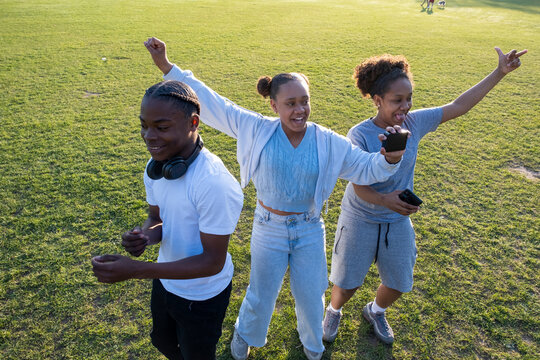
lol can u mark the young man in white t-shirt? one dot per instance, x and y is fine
(194, 205)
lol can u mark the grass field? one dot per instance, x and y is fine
(73, 73)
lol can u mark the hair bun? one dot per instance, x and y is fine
(264, 84)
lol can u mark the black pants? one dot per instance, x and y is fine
(186, 329)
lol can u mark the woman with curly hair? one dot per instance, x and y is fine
(374, 223)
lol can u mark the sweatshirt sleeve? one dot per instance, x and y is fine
(364, 168)
(216, 111)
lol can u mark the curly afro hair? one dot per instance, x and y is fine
(374, 75)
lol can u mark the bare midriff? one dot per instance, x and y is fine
(278, 212)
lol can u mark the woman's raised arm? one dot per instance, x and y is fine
(466, 101)
(216, 111)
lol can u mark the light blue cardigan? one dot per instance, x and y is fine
(338, 157)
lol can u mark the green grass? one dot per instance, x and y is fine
(72, 163)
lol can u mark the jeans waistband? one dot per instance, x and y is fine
(267, 215)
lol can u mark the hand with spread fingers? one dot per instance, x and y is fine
(510, 61)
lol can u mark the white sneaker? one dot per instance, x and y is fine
(239, 348)
(331, 325)
(312, 355)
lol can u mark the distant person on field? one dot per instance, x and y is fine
(193, 206)
(430, 5)
(294, 165)
(374, 224)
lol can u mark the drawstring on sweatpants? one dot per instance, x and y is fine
(379, 239)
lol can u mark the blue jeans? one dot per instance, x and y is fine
(297, 241)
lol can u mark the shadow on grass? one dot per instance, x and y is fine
(528, 6)
(369, 347)
(366, 345)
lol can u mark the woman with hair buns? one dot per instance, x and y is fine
(374, 223)
(294, 165)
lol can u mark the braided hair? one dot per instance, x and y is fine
(183, 95)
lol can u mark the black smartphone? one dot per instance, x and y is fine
(410, 198)
(395, 141)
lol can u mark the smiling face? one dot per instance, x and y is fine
(293, 107)
(394, 104)
(166, 130)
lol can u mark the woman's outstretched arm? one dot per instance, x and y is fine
(466, 101)
(216, 110)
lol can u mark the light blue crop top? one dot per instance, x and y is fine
(286, 177)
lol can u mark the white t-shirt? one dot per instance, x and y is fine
(206, 199)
